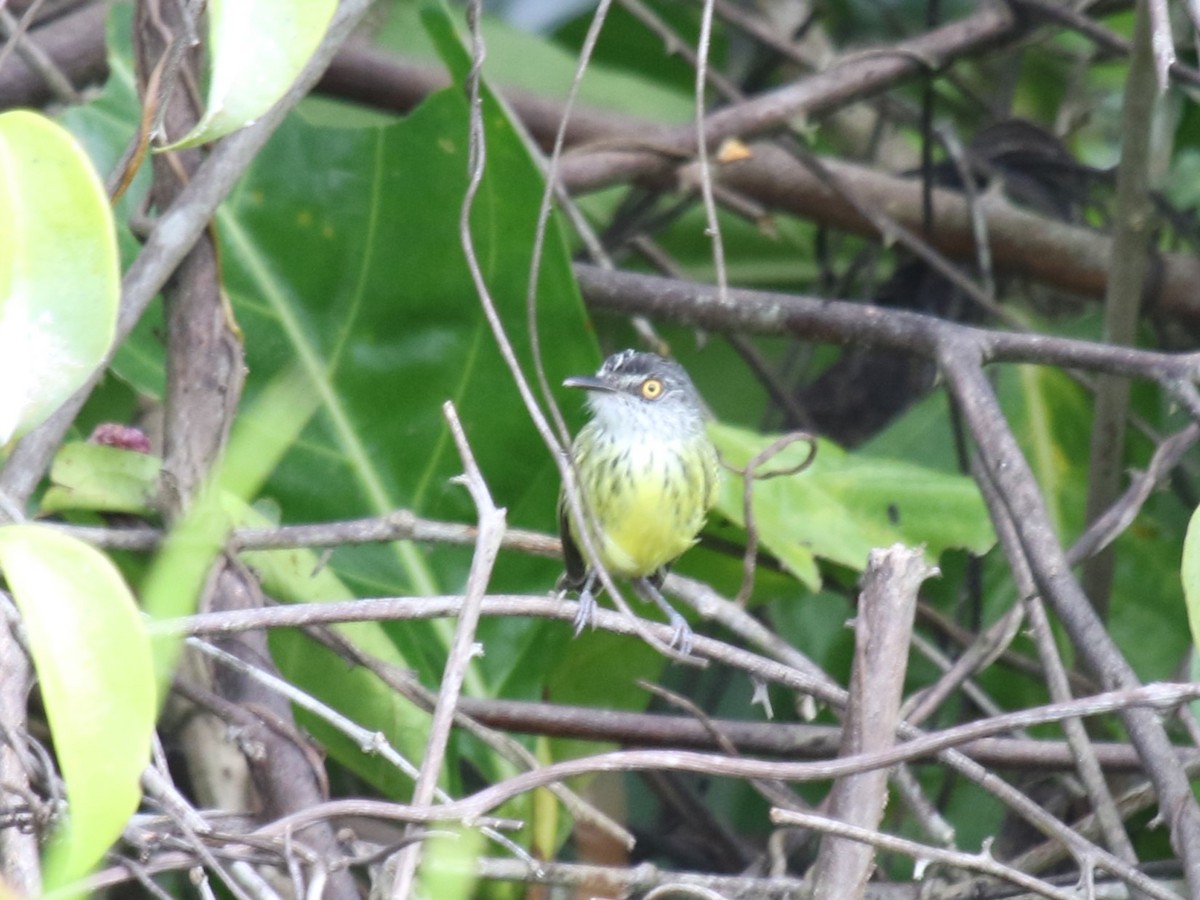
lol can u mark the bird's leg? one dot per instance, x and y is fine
(681, 631)
(587, 604)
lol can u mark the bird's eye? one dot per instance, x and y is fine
(652, 389)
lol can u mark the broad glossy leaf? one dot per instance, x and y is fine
(357, 272)
(845, 504)
(94, 669)
(258, 48)
(58, 270)
(342, 257)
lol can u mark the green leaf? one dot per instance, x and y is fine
(1041, 437)
(843, 504)
(376, 304)
(101, 479)
(58, 270)
(448, 868)
(106, 479)
(258, 48)
(521, 60)
(354, 272)
(92, 658)
(1190, 574)
(1194, 675)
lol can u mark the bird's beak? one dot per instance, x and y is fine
(589, 383)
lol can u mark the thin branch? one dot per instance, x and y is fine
(979, 862)
(1008, 468)
(839, 322)
(462, 649)
(713, 229)
(1148, 697)
(857, 76)
(1087, 763)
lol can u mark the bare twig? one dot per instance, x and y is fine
(629, 880)
(979, 862)
(1148, 697)
(462, 649)
(1087, 764)
(990, 644)
(543, 220)
(713, 229)
(882, 631)
(1007, 467)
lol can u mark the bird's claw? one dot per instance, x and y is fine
(681, 634)
(586, 614)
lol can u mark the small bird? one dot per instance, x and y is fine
(648, 474)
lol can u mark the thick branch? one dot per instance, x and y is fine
(1068, 257)
(856, 77)
(840, 322)
(1065, 256)
(883, 631)
(790, 740)
(75, 42)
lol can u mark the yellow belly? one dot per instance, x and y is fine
(649, 501)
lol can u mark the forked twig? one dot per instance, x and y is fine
(462, 649)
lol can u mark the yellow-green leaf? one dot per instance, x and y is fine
(258, 48)
(59, 272)
(1190, 573)
(102, 479)
(92, 658)
(844, 504)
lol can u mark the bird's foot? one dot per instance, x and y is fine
(681, 632)
(586, 614)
